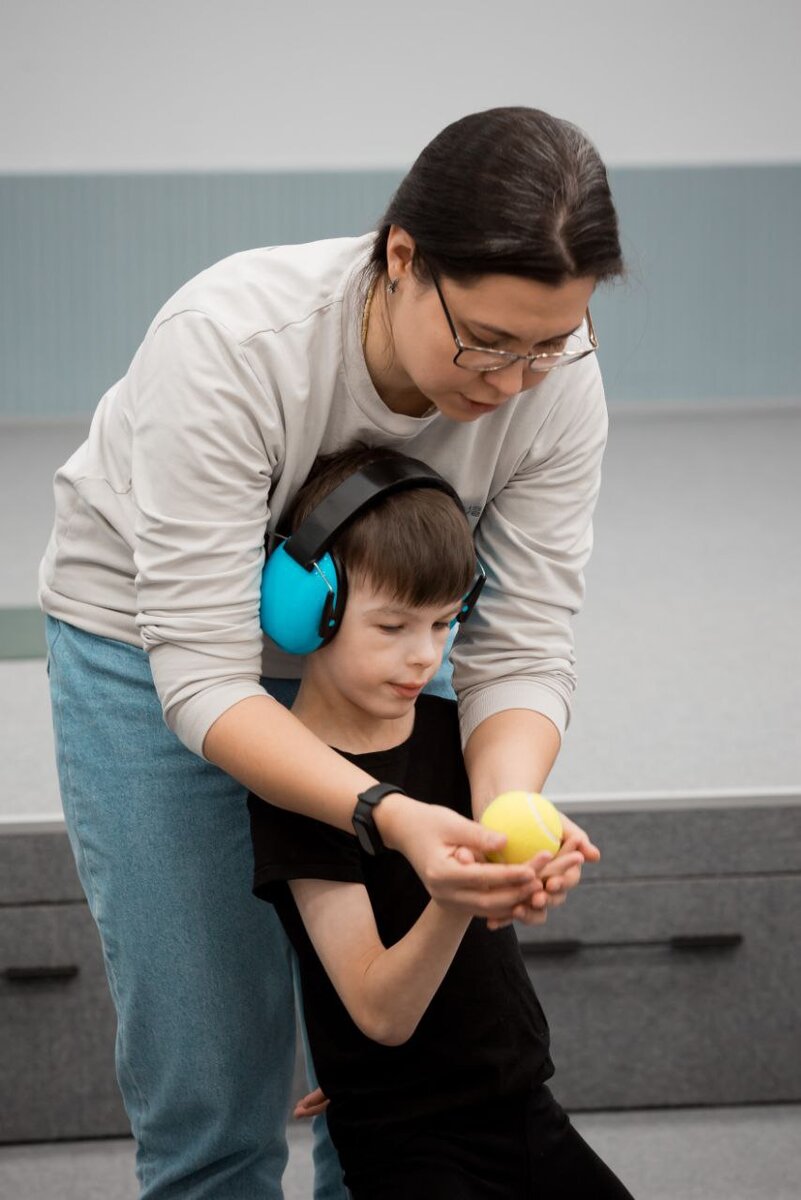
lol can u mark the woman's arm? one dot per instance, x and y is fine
(514, 663)
(260, 743)
(516, 749)
(386, 991)
(511, 749)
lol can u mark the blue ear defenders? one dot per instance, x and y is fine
(303, 587)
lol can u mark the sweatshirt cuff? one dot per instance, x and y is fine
(512, 694)
(195, 717)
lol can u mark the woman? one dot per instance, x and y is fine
(459, 334)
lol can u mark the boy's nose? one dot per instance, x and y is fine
(425, 652)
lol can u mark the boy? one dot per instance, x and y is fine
(426, 1034)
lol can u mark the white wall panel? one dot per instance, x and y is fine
(95, 85)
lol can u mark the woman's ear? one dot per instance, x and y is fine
(400, 253)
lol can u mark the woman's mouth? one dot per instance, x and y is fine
(477, 406)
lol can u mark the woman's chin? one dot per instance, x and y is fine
(458, 407)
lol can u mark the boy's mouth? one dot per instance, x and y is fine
(408, 690)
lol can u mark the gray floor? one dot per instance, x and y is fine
(684, 1154)
(689, 651)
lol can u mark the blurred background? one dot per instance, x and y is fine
(138, 144)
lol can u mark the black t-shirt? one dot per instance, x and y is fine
(484, 1036)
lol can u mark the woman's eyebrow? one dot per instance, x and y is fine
(512, 337)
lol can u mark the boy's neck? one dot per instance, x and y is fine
(339, 723)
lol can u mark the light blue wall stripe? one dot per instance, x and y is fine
(709, 311)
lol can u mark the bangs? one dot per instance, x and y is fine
(415, 545)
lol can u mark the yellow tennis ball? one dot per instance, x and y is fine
(530, 822)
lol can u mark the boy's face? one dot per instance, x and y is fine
(384, 652)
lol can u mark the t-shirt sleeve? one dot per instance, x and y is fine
(289, 845)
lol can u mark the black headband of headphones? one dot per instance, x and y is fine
(377, 479)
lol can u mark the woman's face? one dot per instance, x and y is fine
(499, 311)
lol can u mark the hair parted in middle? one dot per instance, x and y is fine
(506, 191)
(415, 544)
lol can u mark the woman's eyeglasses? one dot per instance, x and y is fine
(483, 359)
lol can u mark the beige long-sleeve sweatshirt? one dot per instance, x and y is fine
(248, 372)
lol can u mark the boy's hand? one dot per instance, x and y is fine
(534, 910)
(311, 1105)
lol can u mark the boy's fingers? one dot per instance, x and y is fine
(314, 1110)
(521, 914)
(533, 917)
(498, 905)
(487, 877)
(463, 854)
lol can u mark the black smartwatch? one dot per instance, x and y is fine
(364, 815)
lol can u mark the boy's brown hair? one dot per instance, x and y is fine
(416, 544)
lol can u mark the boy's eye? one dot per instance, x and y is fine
(442, 624)
(390, 628)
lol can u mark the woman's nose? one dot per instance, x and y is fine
(508, 380)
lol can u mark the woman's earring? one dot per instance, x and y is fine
(392, 287)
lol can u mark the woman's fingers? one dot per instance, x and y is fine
(564, 882)
(558, 874)
(574, 832)
(449, 854)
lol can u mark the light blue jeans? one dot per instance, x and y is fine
(199, 970)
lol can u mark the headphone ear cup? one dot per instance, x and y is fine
(334, 607)
(293, 601)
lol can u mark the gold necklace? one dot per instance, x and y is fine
(366, 314)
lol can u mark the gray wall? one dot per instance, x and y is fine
(165, 85)
(140, 143)
(708, 312)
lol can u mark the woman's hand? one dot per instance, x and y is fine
(429, 836)
(559, 875)
(570, 829)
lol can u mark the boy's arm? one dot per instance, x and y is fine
(386, 991)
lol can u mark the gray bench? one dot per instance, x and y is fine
(672, 975)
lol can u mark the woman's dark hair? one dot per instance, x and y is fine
(509, 191)
(416, 544)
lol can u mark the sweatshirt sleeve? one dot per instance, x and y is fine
(205, 439)
(534, 539)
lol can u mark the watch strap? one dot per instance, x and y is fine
(364, 824)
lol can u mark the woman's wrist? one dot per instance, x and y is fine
(391, 816)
